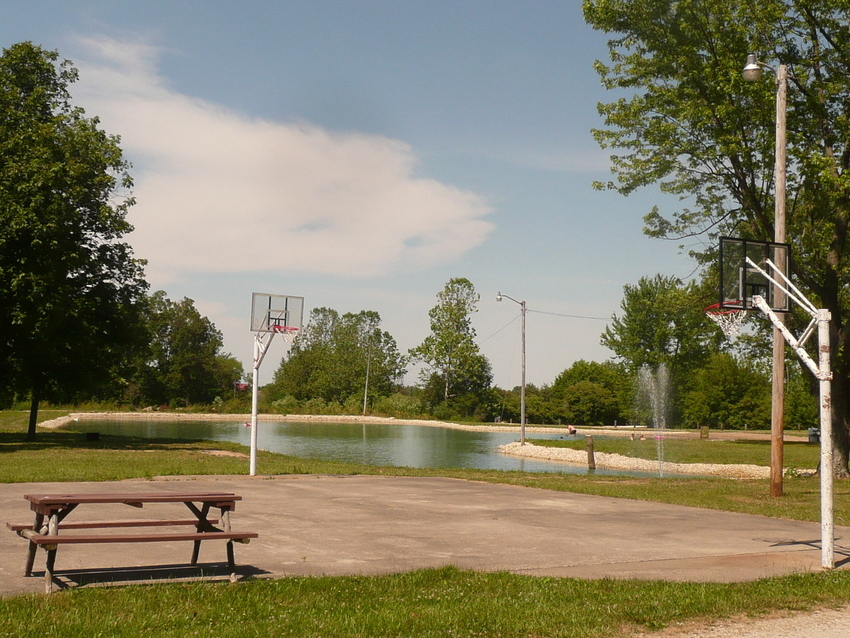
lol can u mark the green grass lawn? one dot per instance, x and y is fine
(430, 602)
(438, 602)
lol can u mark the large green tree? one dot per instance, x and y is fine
(454, 362)
(332, 356)
(687, 120)
(661, 322)
(184, 363)
(69, 287)
(593, 393)
(728, 392)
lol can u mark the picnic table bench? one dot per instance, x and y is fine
(52, 509)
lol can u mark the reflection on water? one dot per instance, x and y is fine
(371, 443)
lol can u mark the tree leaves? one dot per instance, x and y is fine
(331, 356)
(69, 288)
(450, 350)
(690, 123)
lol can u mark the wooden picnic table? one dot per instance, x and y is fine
(51, 510)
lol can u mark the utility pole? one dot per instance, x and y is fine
(752, 72)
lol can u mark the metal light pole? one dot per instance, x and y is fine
(522, 386)
(752, 72)
(366, 386)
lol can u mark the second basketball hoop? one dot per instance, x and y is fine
(729, 320)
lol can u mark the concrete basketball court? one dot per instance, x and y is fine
(317, 525)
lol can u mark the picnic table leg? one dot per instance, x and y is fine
(39, 519)
(202, 526)
(231, 560)
(53, 530)
(48, 570)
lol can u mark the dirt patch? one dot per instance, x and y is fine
(824, 623)
(237, 455)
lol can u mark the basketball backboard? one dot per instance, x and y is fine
(273, 313)
(740, 281)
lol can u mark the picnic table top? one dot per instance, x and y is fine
(129, 497)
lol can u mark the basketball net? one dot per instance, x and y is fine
(729, 320)
(287, 332)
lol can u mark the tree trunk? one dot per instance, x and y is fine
(36, 398)
(840, 423)
(840, 458)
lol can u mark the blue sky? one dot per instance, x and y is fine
(361, 154)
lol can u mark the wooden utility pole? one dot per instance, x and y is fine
(777, 415)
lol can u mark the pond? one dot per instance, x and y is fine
(399, 445)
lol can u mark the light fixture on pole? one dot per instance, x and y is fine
(522, 386)
(752, 72)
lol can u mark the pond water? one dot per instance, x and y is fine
(373, 444)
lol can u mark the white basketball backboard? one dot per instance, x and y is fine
(272, 313)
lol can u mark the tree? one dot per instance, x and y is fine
(662, 322)
(605, 390)
(693, 125)
(450, 352)
(728, 393)
(184, 363)
(69, 287)
(591, 404)
(332, 355)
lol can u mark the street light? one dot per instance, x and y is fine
(752, 68)
(752, 72)
(522, 386)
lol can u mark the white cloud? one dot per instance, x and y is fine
(219, 191)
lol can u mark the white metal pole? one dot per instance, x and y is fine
(522, 387)
(826, 479)
(254, 404)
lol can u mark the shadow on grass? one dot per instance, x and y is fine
(766, 443)
(112, 576)
(16, 442)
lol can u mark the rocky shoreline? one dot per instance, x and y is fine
(620, 462)
(299, 418)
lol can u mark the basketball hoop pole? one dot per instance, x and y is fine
(822, 371)
(261, 346)
(270, 315)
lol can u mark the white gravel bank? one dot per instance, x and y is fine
(620, 462)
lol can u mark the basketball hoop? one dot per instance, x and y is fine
(729, 320)
(287, 332)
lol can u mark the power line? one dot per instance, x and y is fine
(559, 314)
(499, 330)
(542, 312)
